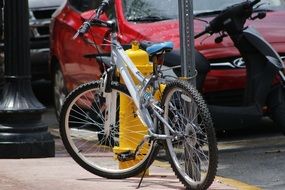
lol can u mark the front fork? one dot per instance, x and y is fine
(110, 112)
(111, 100)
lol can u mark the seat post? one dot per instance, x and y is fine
(157, 59)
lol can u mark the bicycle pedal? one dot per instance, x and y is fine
(126, 156)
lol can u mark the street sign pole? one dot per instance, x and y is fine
(186, 23)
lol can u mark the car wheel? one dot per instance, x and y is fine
(59, 91)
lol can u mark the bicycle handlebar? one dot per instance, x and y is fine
(84, 28)
(103, 7)
(238, 12)
(201, 33)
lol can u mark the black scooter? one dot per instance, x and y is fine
(263, 65)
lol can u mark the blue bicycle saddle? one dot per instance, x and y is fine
(159, 48)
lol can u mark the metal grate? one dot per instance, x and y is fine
(39, 22)
(43, 30)
(43, 14)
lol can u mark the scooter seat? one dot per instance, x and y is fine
(159, 48)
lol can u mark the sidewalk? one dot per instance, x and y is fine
(62, 173)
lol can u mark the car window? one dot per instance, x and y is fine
(210, 5)
(86, 5)
(137, 10)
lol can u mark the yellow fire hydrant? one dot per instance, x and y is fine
(132, 131)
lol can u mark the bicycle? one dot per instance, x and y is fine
(178, 120)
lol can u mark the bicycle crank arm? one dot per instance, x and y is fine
(161, 137)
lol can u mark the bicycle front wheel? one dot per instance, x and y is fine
(193, 148)
(111, 151)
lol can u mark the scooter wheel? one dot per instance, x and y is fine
(278, 116)
(276, 103)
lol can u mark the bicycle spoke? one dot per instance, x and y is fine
(193, 148)
(96, 148)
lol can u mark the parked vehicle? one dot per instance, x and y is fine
(147, 20)
(101, 113)
(40, 15)
(262, 63)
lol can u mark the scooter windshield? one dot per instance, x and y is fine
(264, 47)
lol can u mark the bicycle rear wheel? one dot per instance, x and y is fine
(193, 150)
(107, 151)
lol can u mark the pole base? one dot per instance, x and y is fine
(23, 135)
(32, 145)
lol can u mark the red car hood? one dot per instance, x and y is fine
(157, 31)
(272, 29)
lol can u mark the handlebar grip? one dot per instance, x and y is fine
(87, 24)
(102, 8)
(84, 28)
(201, 33)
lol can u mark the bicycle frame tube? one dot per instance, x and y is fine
(111, 102)
(124, 64)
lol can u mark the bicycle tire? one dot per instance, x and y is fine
(104, 165)
(193, 153)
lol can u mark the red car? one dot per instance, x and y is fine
(153, 21)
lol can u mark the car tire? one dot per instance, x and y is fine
(59, 90)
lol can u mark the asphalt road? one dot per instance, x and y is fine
(256, 158)
(253, 155)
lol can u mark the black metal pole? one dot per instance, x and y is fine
(1, 25)
(1, 49)
(22, 133)
(186, 21)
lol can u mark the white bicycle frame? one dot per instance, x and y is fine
(124, 64)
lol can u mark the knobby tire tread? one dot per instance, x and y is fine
(213, 160)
